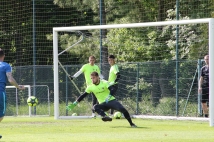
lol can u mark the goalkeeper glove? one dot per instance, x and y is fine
(71, 106)
(71, 77)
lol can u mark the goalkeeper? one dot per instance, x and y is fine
(114, 76)
(87, 69)
(102, 90)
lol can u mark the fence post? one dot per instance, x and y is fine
(137, 98)
(199, 95)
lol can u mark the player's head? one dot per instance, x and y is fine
(206, 59)
(2, 54)
(111, 60)
(91, 60)
(95, 78)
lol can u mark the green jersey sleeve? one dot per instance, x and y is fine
(112, 73)
(87, 69)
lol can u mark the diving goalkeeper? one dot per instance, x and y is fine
(87, 69)
(102, 90)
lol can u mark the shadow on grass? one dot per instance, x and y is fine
(138, 127)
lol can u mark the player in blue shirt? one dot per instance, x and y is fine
(5, 73)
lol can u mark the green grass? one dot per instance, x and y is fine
(46, 129)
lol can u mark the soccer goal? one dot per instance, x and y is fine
(17, 101)
(136, 42)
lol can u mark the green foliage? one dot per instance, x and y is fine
(126, 44)
(190, 38)
(166, 107)
(141, 85)
(86, 47)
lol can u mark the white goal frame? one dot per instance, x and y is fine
(29, 89)
(29, 94)
(210, 21)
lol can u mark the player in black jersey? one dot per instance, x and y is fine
(203, 86)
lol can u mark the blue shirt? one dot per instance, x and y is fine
(4, 68)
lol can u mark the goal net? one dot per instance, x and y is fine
(157, 62)
(17, 101)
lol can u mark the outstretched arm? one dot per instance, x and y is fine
(13, 81)
(80, 98)
(112, 89)
(75, 75)
(200, 85)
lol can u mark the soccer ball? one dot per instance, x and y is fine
(74, 114)
(32, 101)
(117, 115)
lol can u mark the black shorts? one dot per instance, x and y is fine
(114, 89)
(205, 94)
(2, 103)
(94, 99)
(113, 104)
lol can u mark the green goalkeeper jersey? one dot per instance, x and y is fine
(87, 69)
(101, 91)
(112, 73)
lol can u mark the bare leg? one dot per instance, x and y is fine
(1, 119)
(205, 109)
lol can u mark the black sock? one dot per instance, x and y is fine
(127, 116)
(100, 112)
(112, 112)
(130, 121)
(205, 115)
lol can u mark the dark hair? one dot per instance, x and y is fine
(92, 57)
(94, 73)
(1, 52)
(206, 55)
(111, 56)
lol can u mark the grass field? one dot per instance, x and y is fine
(46, 129)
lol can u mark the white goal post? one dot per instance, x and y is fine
(17, 101)
(29, 94)
(210, 21)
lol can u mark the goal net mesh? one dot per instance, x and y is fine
(17, 101)
(146, 58)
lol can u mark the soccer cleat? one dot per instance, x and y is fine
(133, 125)
(0, 136)
(106, 118)
(93, 115)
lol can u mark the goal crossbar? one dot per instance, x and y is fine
(210, 21)
(133, 25)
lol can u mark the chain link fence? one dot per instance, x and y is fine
(147, 88)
